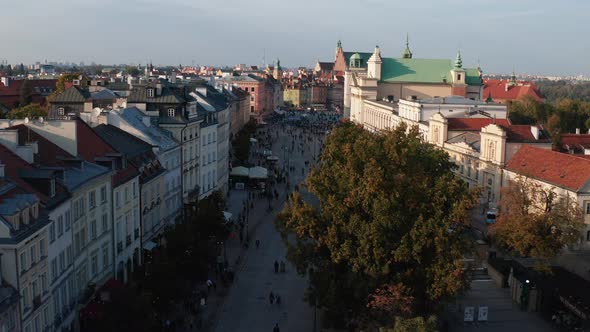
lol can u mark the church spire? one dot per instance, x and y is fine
(458, 61)
(339, 44)
(407, 54)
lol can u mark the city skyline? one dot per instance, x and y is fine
(189, 33)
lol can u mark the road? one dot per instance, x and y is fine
(246, 307)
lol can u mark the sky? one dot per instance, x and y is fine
(532, 36)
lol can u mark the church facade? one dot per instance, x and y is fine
(371, 77)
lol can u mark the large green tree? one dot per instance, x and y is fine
(535, 221)
(387, 240)
(29, 111)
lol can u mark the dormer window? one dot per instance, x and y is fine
(171, 112)
(150, 93)
(60, 111)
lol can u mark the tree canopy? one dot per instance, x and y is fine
(387, 240)
(535, 221)
(30, 111)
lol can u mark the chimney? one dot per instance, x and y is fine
(535, 132)
(146, 121)
(173, 77)
(577, 131)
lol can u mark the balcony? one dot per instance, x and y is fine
(136, 233)
(128, 240)
(119, 247)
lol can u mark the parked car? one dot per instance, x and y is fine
(491, 216)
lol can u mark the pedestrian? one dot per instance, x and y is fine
(257, 243)
(276, 267)
(209, 285)
(276, 328)
(271, 297)
(278, 300)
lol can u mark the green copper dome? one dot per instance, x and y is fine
(355, 61)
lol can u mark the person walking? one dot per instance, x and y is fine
(271, 297)
(278, 300)
(276, 328)
(257, 243)
(276, 267)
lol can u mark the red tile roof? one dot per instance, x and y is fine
(577, 142)
(497, 90)
(560, 169)
(48, 152)
(473, 124)
(91, 146)
(10, 95)
(521, 133)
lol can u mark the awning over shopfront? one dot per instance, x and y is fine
(149, 246)
(240, 171)
(258, 173)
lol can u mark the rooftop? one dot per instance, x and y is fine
(560, 169)
(156, 135)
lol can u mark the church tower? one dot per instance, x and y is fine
(407, 54)
(458, 77)
(277, 72)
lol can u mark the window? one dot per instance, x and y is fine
(150, 93)
(209, 138)
(92, 199)
(458, 77)
(52, 232)
(587, 235)
(252, 90)
(204, 161)
(26, 300)
(83, 237)
(78, 208)
(60, 226)
(252, 109)
(33, 251)
(105, 224)
(171, 112)
(94, 264)
(62, 261)
(105, 257)
(23, 262)
(54, 272)
(68, 220)
(43, 283)
(41, 248)
(588, 208)
(134, 189)
(69, 255)
(60, 111)
(93, 229)
(103, 194)
(117, 199)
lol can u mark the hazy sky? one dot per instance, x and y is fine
(533, 36)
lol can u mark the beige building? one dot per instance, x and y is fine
(371, 77)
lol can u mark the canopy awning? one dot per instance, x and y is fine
(253, 140)
(258, 173)
(150, 245)
(240, 171)
(227, 216)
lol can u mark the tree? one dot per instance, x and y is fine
(21, 69)
(535, 221)
(416, 324)
(133, 71)
(30, 111)
(388, 203)
(26, 93)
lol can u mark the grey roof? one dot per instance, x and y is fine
(158, 136)
(122, 141)
(168, 96)
(114, 86)
(10, 206)
(75, 177)
(72, 94)
(104, 94)
(470, 138)
(25, 230)
(454, 100)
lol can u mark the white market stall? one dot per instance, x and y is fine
(258, 173)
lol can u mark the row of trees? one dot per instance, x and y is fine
(561, 116)
(556, 90)
(386, 245)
